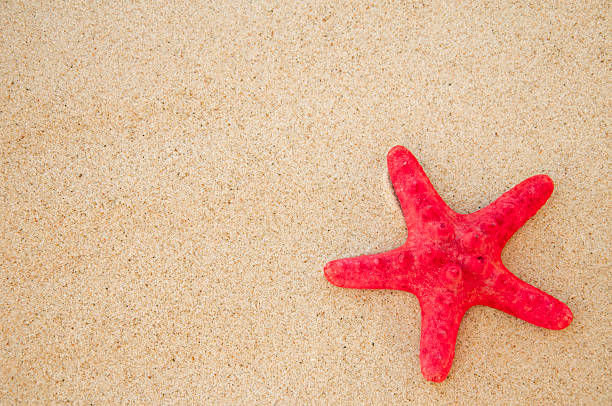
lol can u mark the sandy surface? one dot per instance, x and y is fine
(173, 177)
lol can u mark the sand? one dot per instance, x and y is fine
(174, 176)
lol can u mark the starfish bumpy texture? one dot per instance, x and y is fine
(452, 261)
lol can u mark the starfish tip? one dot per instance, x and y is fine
(398, 157)
(565, 318)
(332, 273)
(434, 374)
(397, 149)
(399, 154)
(545, 183)
(434, 378)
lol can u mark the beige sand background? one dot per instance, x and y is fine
(174, 176)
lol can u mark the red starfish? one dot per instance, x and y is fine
(452, 261)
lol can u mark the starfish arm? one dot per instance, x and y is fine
(440, 320)
(510, 211)
(388, 270)
(419, 200)
(518, 298)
